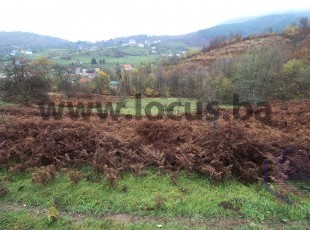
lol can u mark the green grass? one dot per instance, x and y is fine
(130, 107)
(132, 55)
(24, 220)
(109, 61)
(155, 195)
(51, 53)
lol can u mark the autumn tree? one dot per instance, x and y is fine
(63, 79)
(100, 84)
(42, 66)
(257, 75)
(26, 81)
(291, 31)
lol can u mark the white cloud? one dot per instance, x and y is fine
(98, 20)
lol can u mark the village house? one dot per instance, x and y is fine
(127, 67)
(27, 52)
(132, 42)
(141, 45)
(13, 52)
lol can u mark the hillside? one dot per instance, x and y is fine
(237, 48)
(12, 40)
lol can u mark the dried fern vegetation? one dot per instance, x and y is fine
(249, 151)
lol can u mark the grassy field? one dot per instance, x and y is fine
(132, 55)
(152, 199)
(109, 61)
(130, 107)
(51, 53)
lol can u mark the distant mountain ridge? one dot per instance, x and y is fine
(270, 23)
(275, 23)
(265, 24)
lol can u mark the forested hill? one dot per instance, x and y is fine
(9, 40)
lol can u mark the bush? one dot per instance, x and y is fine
(25, 88)
(149, 92)
(292, 68)
(291, 31)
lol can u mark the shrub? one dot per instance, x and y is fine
(44, 174)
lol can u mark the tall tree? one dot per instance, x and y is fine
(93, 61)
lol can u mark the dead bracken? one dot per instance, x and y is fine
(250, 151)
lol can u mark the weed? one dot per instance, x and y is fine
(159, 202)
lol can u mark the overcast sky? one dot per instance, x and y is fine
(95, 20)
